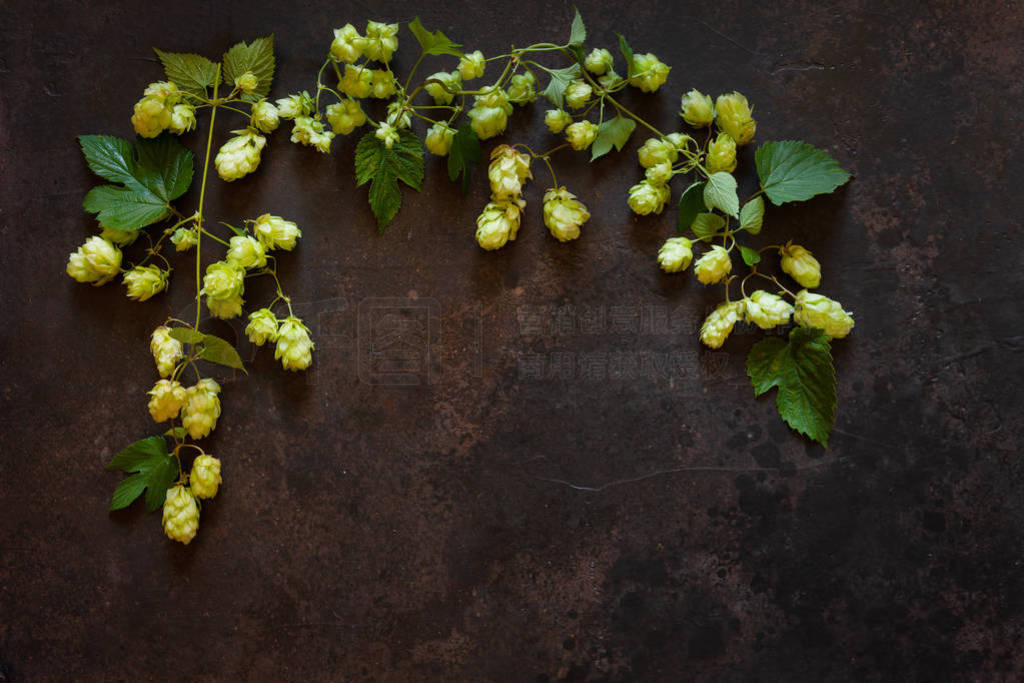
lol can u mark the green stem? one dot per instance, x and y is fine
(199, 212)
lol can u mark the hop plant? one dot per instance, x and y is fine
(577, 94)
(381, 41)
(97, 261)
(202, 408)
(247, 82)
(274, 232)
(507, 173)
(204, 480)
(499, 223)
(471, 65)
(713, 266)
(145, 281)
(599, 61)
(347, 45)
(265, 116)
(718, 325)
(246, 252)
(294, 347)
(166, 399)
(488, 122)
(166, 350)
(556, 120)
(310, 132)
(564, 214)
(295, 105)
(439, 139)
(815, 310)
(240, 155)
(722, 154)
(766, 310)
(649, 73)
(523, 89)
(181, 515)
(121, 238)
(262, 327)
(800, 264)
(645, 198)
(696, 109)
(223, 285)
(184, 239)
(444, 90)
(656, 151)
(345, 116)
(387, 134)
(154, 112)
(399, 116)
(734, 117)
(581, 134)
(675, 255)
(183, 119)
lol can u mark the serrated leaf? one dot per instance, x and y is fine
(186, 335)
(794, 171)
(385, 167)
(802, 370)
(611, 133)
(219, 351)
(465, 152)
(153, 469)
(158, 171)
(257, 57)
(720, 193)
(560, 80)
(749, 256)
(191, 73)
(690, 204)
(627, 52)
(435, 43)
(578, 33)
(752, 216)
(176, 432)
(706, 225)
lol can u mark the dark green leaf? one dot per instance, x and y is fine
(802, 370)
(793, 171)
(122, 209)
(578, 33)
(750, 256)
(752, 216)
(191, 73)
(690, 204)
(216, 350)
(435, 43)
(153, 469)
(464, 153)
(257, 57)
(176, 432)
(186, 335)
(613, 132)
(627, 52)
(109, 157)
(720, 193)
(164, 166)
(385, 167)
(560, 80)
(706, 225)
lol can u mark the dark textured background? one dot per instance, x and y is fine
(483, 521)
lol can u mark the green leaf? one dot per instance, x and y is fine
(257, 57)
(793, 171)
(578, 33)
(802, 370)
(560, 80)
(464, 153)
(435, 43)
(157, 172)
(186, 335)
(176, 432)
(191, 73)
(627, 52)
(153, 469)
(217, 350)
(720, 193)
(612, 133)
(385, 167)
(752, 216)
(706, 225)
(750, 256)
(690, 204)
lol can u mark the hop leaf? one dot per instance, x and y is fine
(794, 171)
(256, 57)
(465, 152)
(385, 166)
(560, 80)
(191, 73)
(613, 132)
(435, 43)
(154, 471)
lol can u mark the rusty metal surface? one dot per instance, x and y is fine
(520, 465)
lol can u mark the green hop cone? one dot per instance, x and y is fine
(681, 141)
(734, 117)
(382, 84)
(599, 61)
(153, 114)
(347, 45)
(815, 310)
(247, 83)
(294, 105)
(166, 350)
(183, 119)
(265, 116)
(310, 132)
(120, 238)
(472, 65)
(274, 232)
(444, 91)
(357, 82)
(223, 286)
(656, 151)
(246, 252)
(675, 255)
(556, 120)
(577, 94)
(387, 134)
(202, 408)
(490, 112)
(714, 265)
(499, 223)
(564, 214)
(145, 281)
(204, 480)
(240, 155)
(507, 172)
(399, 115)
(96, 261)
(294, 347)
(719, 324)
(767, 310)
(439, 139)
(165, 400)
(659, 174)
(184, 239)
(345, 116)
(523, 89)
(649, 72)
(262, 327)
(580, 134)
(722, 154)
(381, 41)
(610, 80)
(800, 264)
(696, 109)
(181, 515)
(645, 198)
